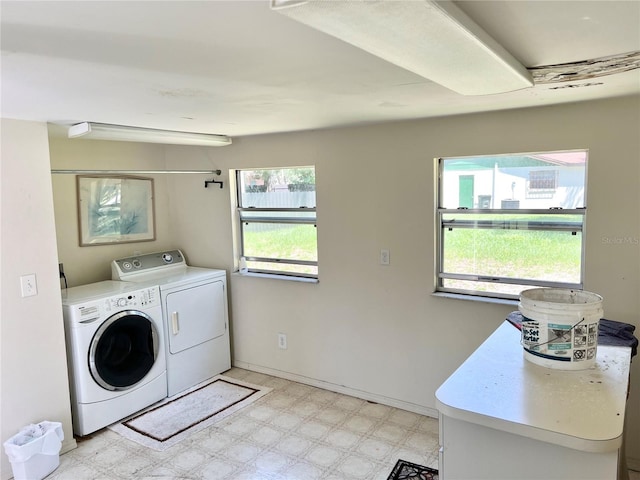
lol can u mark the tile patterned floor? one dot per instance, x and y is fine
(296, 432)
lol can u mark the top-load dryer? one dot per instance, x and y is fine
(194, 308)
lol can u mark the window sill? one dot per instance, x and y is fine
(476, 298)
(275, 276)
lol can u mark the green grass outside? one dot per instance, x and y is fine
(524, 254)
(515, 252)
(296, 242)
(544, 255)
(293, 242)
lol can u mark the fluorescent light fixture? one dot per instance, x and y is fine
(103, 131)
(434, 39)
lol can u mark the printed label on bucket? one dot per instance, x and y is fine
(557, 341)
(530, 334)
(559, 337)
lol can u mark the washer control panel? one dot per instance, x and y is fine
(139, 299)
(135, 300)
(147, 262)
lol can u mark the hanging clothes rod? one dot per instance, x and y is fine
(131, 172)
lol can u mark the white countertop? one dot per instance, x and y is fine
(580, 409)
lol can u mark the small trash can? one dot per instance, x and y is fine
(35, 451)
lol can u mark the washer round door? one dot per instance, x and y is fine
(123, 350)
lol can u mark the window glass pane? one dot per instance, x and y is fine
(498, 289)
(529, 181)
(278, 188)
(526, 254)
(308, 216)
(513, 221)
(280, 241)
(284, 267)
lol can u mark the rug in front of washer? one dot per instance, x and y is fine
(175, 418)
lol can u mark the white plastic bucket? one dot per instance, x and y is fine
(560, 327)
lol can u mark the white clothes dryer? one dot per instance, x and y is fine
(194, 305)
(115, 351)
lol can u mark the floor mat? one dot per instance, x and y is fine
(172, 420)
(411, 471)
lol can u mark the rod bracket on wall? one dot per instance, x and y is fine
(208, 182)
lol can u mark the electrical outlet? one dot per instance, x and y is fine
(282, 341)
(28, 285)
(384, 256)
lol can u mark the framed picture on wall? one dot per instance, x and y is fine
(115, 209)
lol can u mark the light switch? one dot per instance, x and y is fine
(28, 285)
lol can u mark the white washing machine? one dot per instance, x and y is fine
(194, 305)
(115, 351)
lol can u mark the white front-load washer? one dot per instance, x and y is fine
(115, 351)
(194, 305)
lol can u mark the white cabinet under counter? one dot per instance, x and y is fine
(505, 418)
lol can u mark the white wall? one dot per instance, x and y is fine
(376, 330)
(84, 265)
(33, 366)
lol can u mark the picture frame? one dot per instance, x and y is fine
(115, 209)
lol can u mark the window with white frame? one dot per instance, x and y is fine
(277, 217)
(495, 238)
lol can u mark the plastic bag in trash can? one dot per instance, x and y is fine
(29, 441)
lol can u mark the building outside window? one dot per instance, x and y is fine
(277, 218)
(505, 223)
(542, 183)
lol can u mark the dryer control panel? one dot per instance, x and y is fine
(147, 263)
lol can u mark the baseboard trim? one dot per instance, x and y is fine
(68, 445)
(633, 464)
(364, 395)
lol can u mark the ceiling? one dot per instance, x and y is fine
(239, 68)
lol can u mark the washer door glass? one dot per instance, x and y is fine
(123, 350)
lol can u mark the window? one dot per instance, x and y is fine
(277, 213)
(542, 183)
(510, 222)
